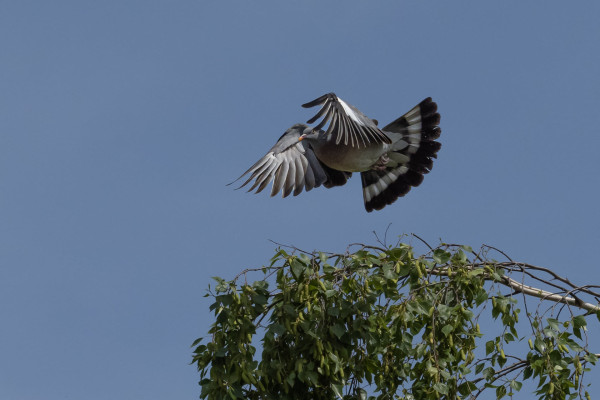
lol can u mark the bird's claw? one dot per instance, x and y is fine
(381, 164)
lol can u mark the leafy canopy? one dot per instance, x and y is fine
(382, 323)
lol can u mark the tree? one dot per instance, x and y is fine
(382, 323)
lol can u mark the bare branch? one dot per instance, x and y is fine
(545, 295)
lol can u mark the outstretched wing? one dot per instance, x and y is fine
(346, 122)
(292, 166)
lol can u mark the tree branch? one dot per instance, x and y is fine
(533, 291)
(545, 295)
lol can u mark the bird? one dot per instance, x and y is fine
(390, 160)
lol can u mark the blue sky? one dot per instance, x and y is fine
(122, 122)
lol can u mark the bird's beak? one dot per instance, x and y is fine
(301, 138)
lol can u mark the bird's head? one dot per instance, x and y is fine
(309, 133)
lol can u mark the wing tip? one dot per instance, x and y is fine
(320, 100)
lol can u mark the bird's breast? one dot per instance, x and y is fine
(348, 158)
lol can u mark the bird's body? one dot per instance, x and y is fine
(391, 160)
(345, 157)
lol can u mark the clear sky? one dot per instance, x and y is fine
(122, 121)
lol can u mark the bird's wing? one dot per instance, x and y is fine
(346, 122)
(292, 166)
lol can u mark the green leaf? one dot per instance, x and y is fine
(333, 311)
(312, 377)
(459, 257)
(579, 321)
(389, 273)
(222, 352)
(475, 272)
(466, 388)
(500, 392)
(441, 388)
(338, 390)
(259, 299)
(591, 357)
(441, 256)
(508, 337)
(222, 284)
(406, 268)
(289, 310)
(490, 346)
(575, 346)
(297, 268)
(276, 328)
(225, 299)
(322, 257)
(482, 296)
(291, 378)
(539, 345)
(479, 367)
(444, 311)
(328, 269)
(447, 329)
(397, 253)
(488, 373)
(516, 385)
(553, 323)
(338, 330)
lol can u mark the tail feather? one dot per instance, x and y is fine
(422, 120)
(410, 159)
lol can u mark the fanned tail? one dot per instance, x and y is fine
(410, 159)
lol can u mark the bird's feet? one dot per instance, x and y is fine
(381, 164)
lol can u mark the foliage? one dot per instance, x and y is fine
(382, 323)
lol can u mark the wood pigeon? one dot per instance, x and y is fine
(390, 160)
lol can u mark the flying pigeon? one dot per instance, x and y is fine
(390, 160)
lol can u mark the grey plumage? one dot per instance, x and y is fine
(391, 160)
(346, 122)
